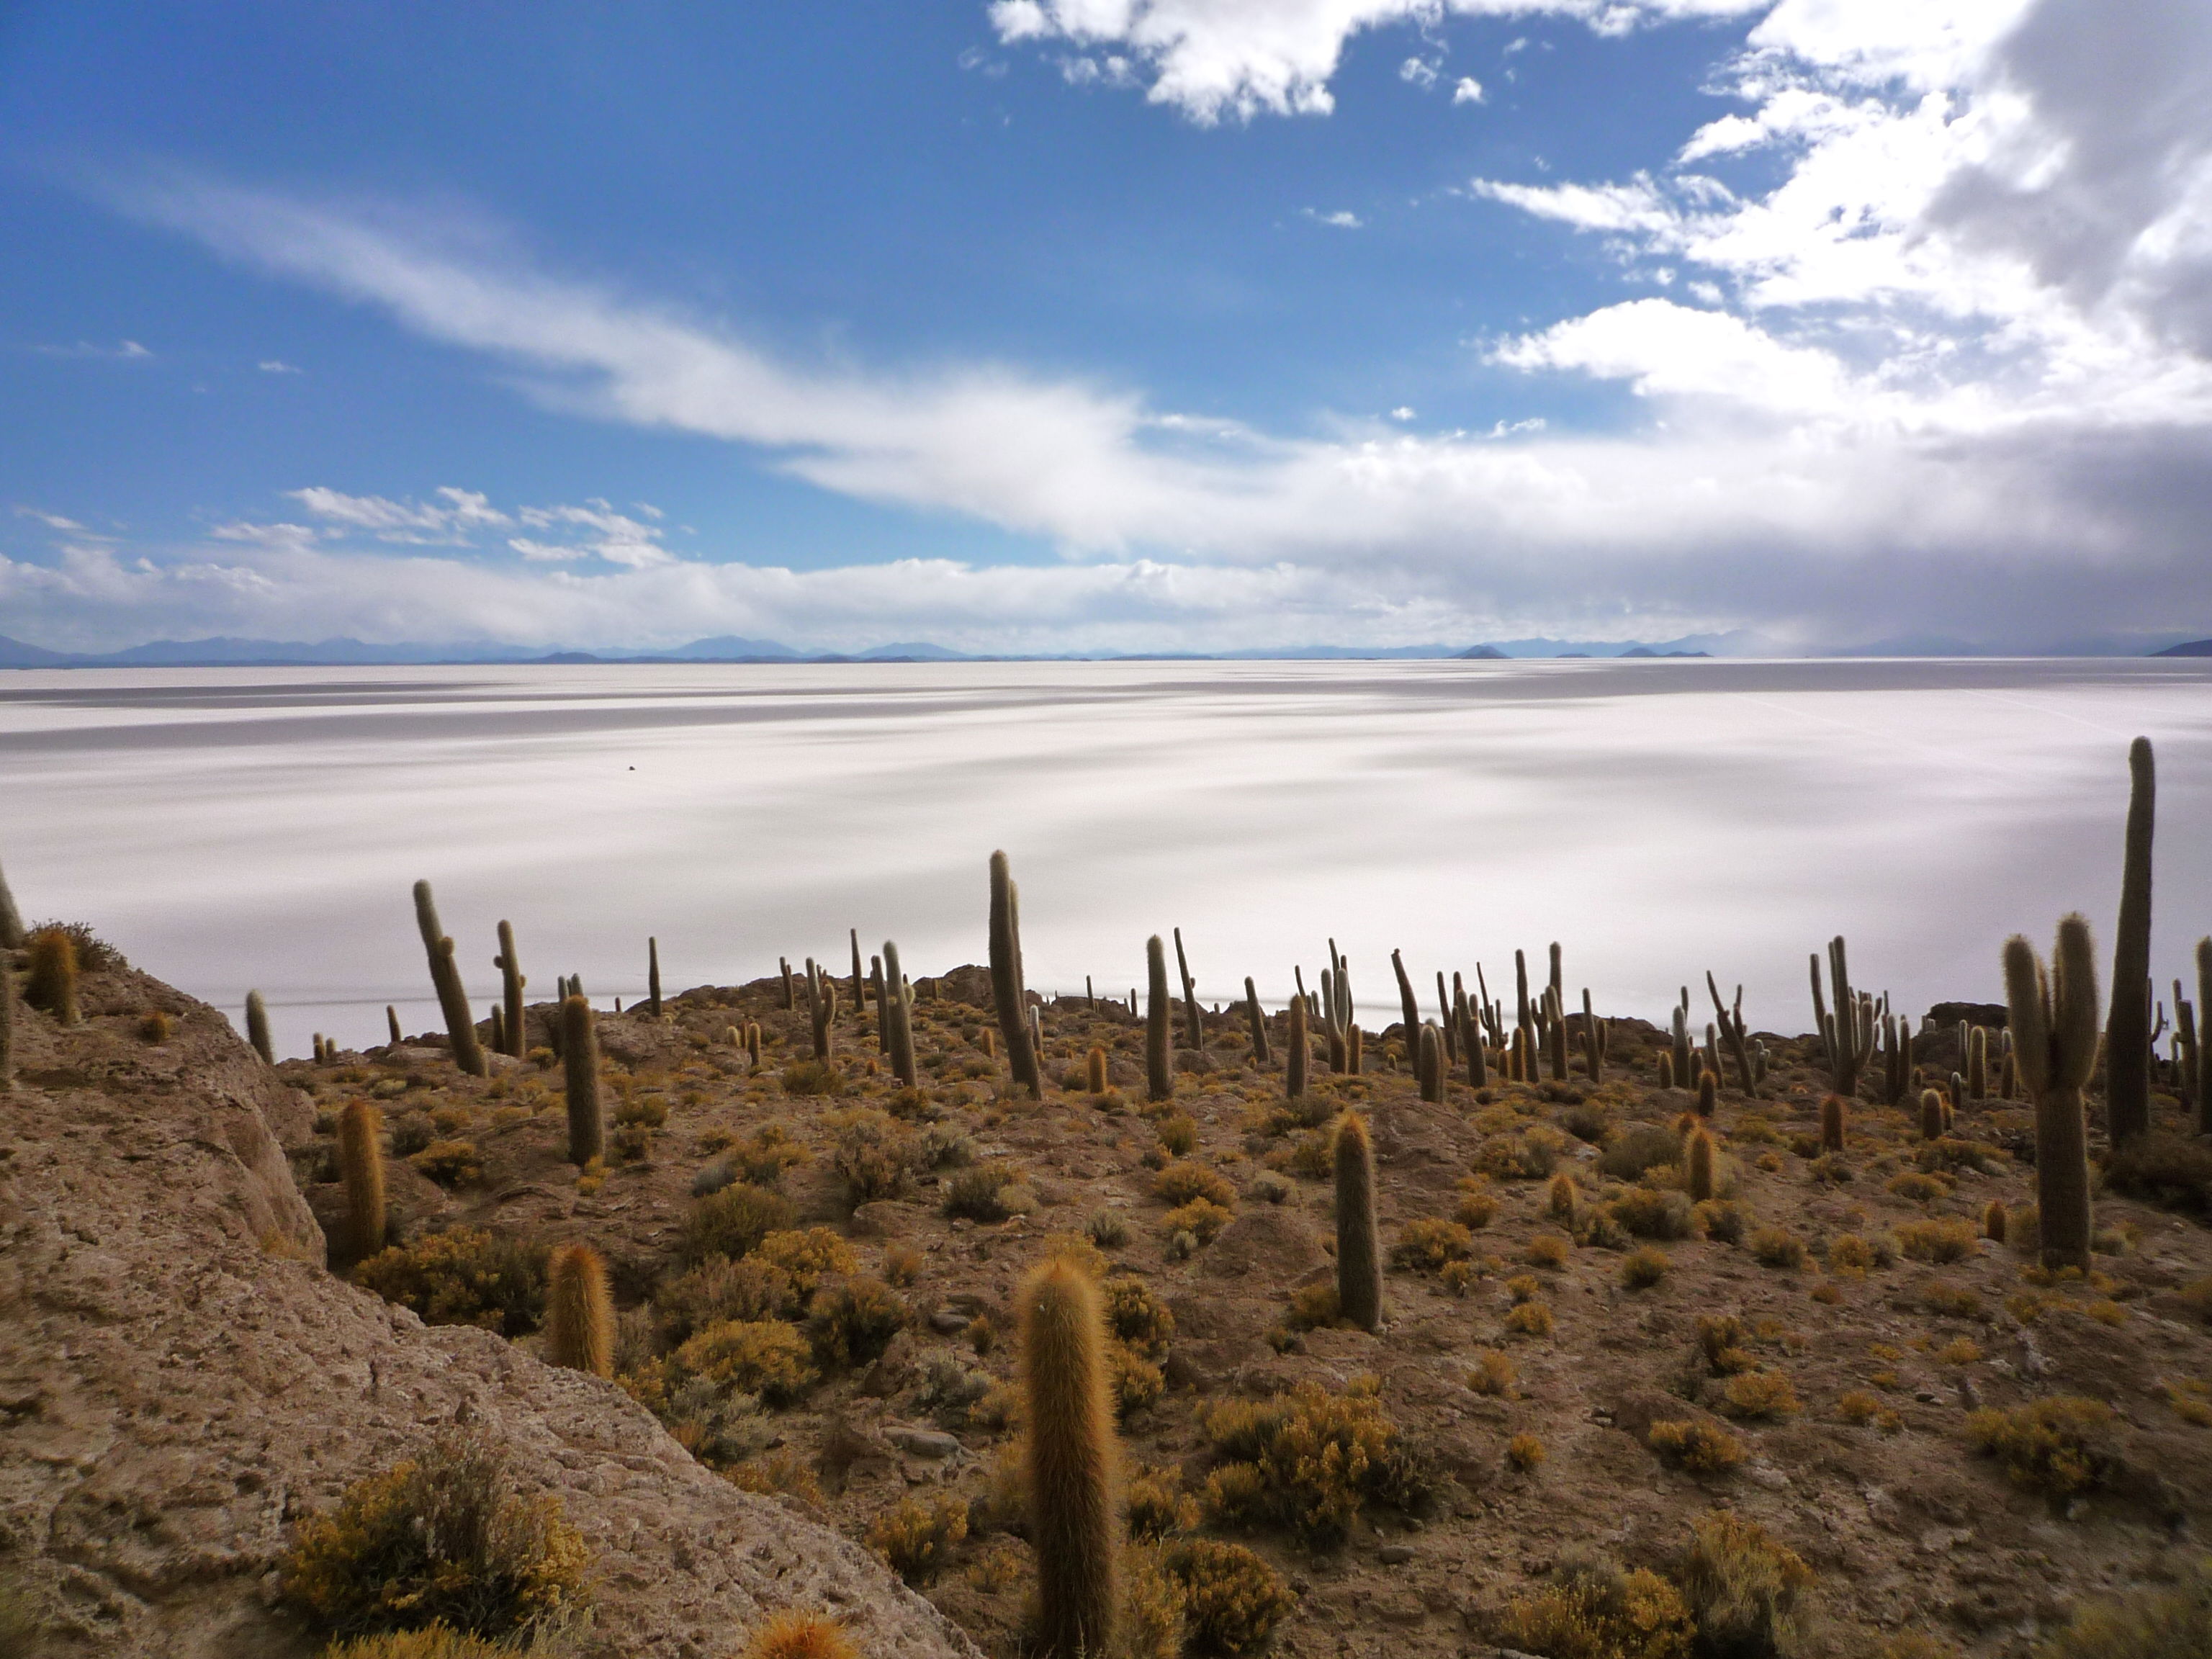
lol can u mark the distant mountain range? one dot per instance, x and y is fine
(223, 652)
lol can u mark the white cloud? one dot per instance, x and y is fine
(52, 521)
(1211, 59)
(276, 366)
(1664, 350)
(1467, 90)
(610, 535)
(1402, 413)
(1341, 219)
(449, 520)
(1418, 71)
(123, 351)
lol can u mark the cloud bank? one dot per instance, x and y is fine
(1932, 360)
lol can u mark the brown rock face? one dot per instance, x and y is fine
(181, 1381)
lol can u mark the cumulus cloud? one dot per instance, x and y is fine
(447, 520)
(1467, 90)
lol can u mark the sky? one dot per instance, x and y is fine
(1086, 325)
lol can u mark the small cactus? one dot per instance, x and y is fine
(653, 975)
(445, 979)
(52, 981)
(1359, 1254)
(579, 1063)
(257, 1027)
(1701, 1166)
(580, 1312)
(392, 1025)
(1072, 1461)
(1562, 1199)
(1666, 1069)
(497, 1026)
(361, 1167)
(1430, 1064)
(511, 981)
(2053, 1017)
(1833, 1117)
(1160, 1079)
(2127, 1031)
(1095, 1070)
(1932, 1114)
(1709, 1093)
(1993, 1221)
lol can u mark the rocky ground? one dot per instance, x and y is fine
(182, 1383)
(1870, 1318)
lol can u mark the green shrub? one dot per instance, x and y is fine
(442, 1537)
(2163, 1169)
(2060, 1446)
(852, 1320)
(463, 1276)
(411, 1133)
(1653, 1212)
(1232, 1600)
(813, 1077)
(1745, 1590)
(732, 1222)
(915, 1535)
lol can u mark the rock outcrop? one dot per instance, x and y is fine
(181, 1380)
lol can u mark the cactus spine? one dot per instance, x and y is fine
(1160, 1079)
(361, 1167)
(1258, 1022)
(579, 1313)
(1072, 1461)
(1008, 994)
(2053, 1017)
(1359, 1254)
(652, 977)
(445, 979)
(257, 1027)
(1193, 1032)
(898, 1009)
(1432, 1063)
(511, 981)
(579, 1070)
(1295, 1054)
(2127, 1039)
(1701, 1166)
(11, 919)
(1833, 1113)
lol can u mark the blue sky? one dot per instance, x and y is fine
(1066, 325)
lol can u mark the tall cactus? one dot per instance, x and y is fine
(2127, 1033)
(257, 1027)
(1258, 1022)
(11, 919)
(361, 1168)
(1978, 1064)
(1732, 1029)
(579, 1313)
(1359, 1252)
(1072, 1461)
(392, 1025)
(1594, 1041)
(652, 977)
(1555, 1034)
(1411, 1005)
(898, 1009)
(2053, 1019)
(1193, 1031)
(7, 1022)
(1447, 1019)
(1009, 996)
(860, 980)
(1295, 1055)
(790, 991)
(1678, 1049)
(1159, 1056)
(2204, 1036)
(1331, 1031)
(446, 980)
(1896, 1057)
(1524, 1015)
(1430, 1051)
(579, 1071)
(1847, 1034)
(821, 1007)
(882, 1008)
(1471, 1047)
(511, 981)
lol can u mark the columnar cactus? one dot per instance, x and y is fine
(1429, 1066)
(860, 980)
(257, 1027)
(1159, 1074)
(821, 1007)
(1594, 1041)
(1072, 1461)
(1448, 1018)
(511, 981)
(1732, 1027)
(579, 1313)
(2053, 1019)
(1524, 1015)
(1471, 1045)
(1555, 1032)
(1359, 1252)
(1848, 1034)
(1258, 1022)
(361, 1169)
(1009, 996)
(652, 977)
(1996, 1223)
(1701, 1166)
(1896, 1057)
(2127, 1032)
(1678, 1050)
(580, 1065)
(445, 979)
(898, 1011)
(1666, 1069)
(1709, 1091)
(1834, 1116)
(392, 1025)
(498, 1023)
(51, 984)
(1330, 1029)
(1932, 1114)
(1295, 1054)
(1978, 1064)
(1410, 1005)
(1094, 1070)
(1194, 1031)
(790, 991)
(7, 1022)
(882, 1008)
(11, 919)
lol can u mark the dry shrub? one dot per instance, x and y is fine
(1546, 1250)
(1721, 1339)
(792, 1634)
(443, 1537)
(1940, 1296)
(1746, 1592)
(1639, 1147)
(732, 1222)
(780, 1474)
(1722, 1219)
(1313, 1307)
(1231, 1599)
(1494, 1375)
(1180, 1183)
(1202, 1218)
(1156, 1505)
(808, 1256)
(1135, 1382)
(1594, 1612)
(1642, 1268)
(763, 1357)
(2059, 1446)
(1938, 1240)
(463, 1276)
(1178, 1134)
(435, 1642)
(1850, 1256)
(2154, 1621)
(1700, 1447)
(1426, 1245)
(984, 1192)
(720, 1288)
(811, 1077)
(763, 1155)
(873, 1153)
(1653, 1212)
(2163, 1169)
(1478, 1205)
(902, 1265)
(851, 1320)
(449, 1164)
(1760, 1396)
(1321, 1457)
(1774, 1246)
(915, 1535)
(1529, 1319)
(1919, 1188)
(1136, 1316)
(1532, 1155)
(1526, 1453)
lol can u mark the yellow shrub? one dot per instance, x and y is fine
(1321, 1455)
(1771, 1247)
(1493, 1374)
(449, 1163)
(1313, 1306)
(1136, 1315)
(808, 1256)
(437, 1642)
(1744, 1590)
(1526, 1453)
(1938, 1240)
(441, 1537)
(1850, 1256)
(1232, 1600)
(784, 1474)
(1529, 1319)
(2058, 1445)
(732, 1222)
(1954, 1301)
(852, 1322)
(1640, 1269)
(1426, 1245)
(1134, 1381)
(1546, 1250)
(1760, 1395)
(1592, 1612)
(915, 1535)
(1478, 1205)
(1156, 1506)
(1698, 1447)
(1202, 1218)
(1182, 1181)
(763, 1357)
(463, 1276)
(792, 1634)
